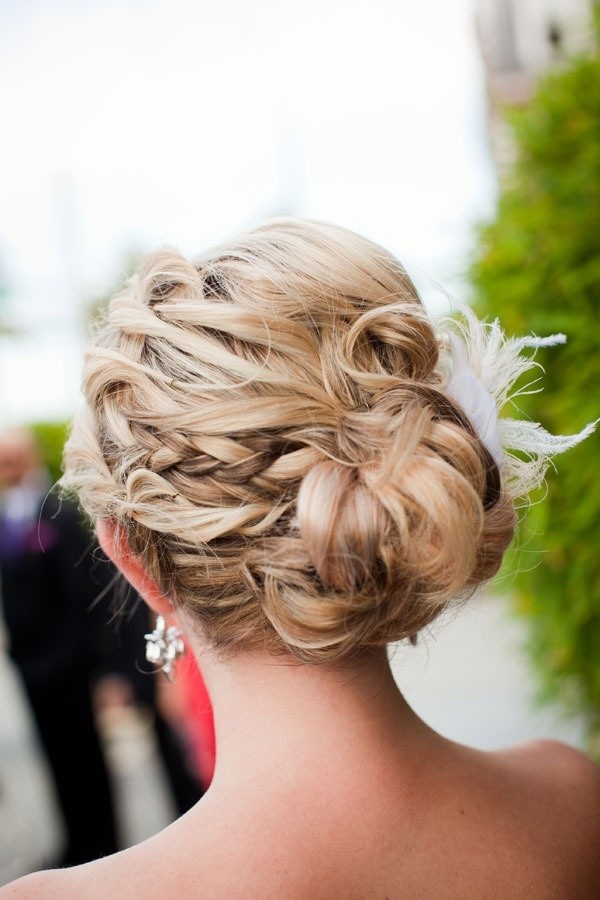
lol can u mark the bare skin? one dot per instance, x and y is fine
(329, 786)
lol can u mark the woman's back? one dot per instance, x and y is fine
(438, 820)
(363, 804)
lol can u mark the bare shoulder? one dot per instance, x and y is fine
(90, 881)
(561, 792)
(50, 885)
(155, 867)
(565, 769)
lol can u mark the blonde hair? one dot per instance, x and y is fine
(269, 430)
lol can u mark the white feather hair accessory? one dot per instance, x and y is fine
(480, 367)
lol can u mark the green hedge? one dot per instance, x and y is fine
(537, 267)
(50, 438)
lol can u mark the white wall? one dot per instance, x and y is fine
(515, 33)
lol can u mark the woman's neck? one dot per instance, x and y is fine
(274, 713)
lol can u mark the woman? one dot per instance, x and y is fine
(285, 457)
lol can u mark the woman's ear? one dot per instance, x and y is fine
(115, 545)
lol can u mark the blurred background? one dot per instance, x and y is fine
(464, 135)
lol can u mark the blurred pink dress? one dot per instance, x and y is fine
(199, 718)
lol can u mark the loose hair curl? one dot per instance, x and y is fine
(268, 430)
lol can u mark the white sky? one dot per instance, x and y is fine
(126, 125)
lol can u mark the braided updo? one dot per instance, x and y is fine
(268, 430)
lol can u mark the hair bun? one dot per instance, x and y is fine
(338, 522)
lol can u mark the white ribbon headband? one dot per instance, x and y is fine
(469, 392)
(484, 366)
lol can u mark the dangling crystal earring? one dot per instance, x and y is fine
(164, 646)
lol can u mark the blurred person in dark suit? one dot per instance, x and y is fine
(124, 679)
(47, 588)
(59, 594)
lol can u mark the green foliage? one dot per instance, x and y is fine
(50, 438)
(538, 268)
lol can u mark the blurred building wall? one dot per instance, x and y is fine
(519, 40)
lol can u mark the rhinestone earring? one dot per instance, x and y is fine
(164, 646)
